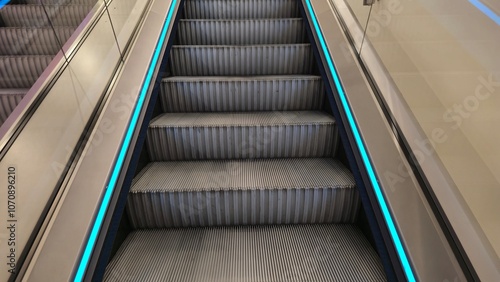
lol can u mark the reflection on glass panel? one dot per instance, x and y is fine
(30, 36)
(41, 152)
(124, 15)
(443, 57)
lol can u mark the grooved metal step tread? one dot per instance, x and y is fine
(198, 136)
(22, 71)
(222, 60)
(242, 119)
(35, 15)
(241, 78)
(9, 99)
(241, 32)
(250, 93)
(270, 191)
(14, 91)
(33, 41)
(61, 2)
(241, 9)
(223, 175)
(288, 253)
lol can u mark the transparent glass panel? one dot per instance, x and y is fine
(125, 14)
(361, 14)
(33, 166)
(443, 58)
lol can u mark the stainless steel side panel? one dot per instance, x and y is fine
(58, 255)
(428, 251)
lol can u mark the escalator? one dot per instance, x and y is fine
(243, 176)
(31, 33)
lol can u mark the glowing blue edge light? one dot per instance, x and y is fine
(3, 3)
(383, 205)
(486, 10)
(123, 152)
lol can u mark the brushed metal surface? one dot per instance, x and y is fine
(241, 60)
(232, 94)
(197, 136)
(241, 32)
(241, 9)
(285, 253)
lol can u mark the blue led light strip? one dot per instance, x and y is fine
(123, 151)
(369, 168)
(3, 3)
(486, 10)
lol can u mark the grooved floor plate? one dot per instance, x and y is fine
(212, 60)
(269, 191)
(241, 32)
(286, 253)
(231, 94)
(241, 9)
(190, 136)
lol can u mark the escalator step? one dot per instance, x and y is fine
(247, 192)
(33, 41)
(286, 253)
(9, 98)
(241, 32)
(61, 2)
(241, 9)
(35, 16)
(198, 136)
(196, 60)
(230, 94)
(21, 71)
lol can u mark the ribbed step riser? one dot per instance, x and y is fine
(213, 143)
(257, 207)
(241, 9)
(271, 94)
(241, 32)
(290, 253)
(22, 71)
(35, 16)
(33, 41)
(242, 60)
(8, 103)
